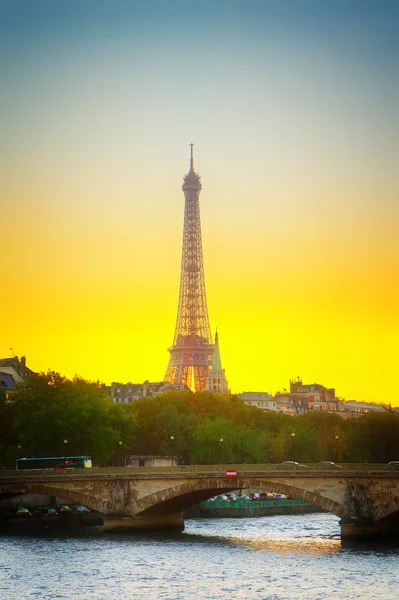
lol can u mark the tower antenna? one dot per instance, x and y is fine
(192, 158)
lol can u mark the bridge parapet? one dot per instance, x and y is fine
(208, 469)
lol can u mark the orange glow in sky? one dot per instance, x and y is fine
(296, 141)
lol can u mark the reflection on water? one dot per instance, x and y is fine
(269, 558)
(293, 534)
(295, 546)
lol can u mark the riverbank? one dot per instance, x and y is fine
(240, 509)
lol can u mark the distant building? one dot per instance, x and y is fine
(354, 408)
(261, 400)
(312, 397)
(13, 371)
(124, 393)
(7, 384)
(290, 404)
(307, 397)
(216, 381)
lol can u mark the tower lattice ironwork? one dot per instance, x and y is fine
(192, 352)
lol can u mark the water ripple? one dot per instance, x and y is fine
(270, 558)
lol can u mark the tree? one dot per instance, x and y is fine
(220, 440)
(58, 416)
(330, 432)
(8, 437)
(380, 436)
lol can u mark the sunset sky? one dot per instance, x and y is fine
(293, 107)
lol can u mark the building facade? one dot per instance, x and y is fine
(307, 397)
(124, 393)
(261, 400)
(352, 408)
(12, 372)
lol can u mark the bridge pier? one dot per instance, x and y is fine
(359, 528)
(151, 522)
(358, 521)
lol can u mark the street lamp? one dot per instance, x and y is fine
(293, 445)
(120, 451)
(65, 442)
(19, 448)
(336, 446)
(220, 449)
(172, 439)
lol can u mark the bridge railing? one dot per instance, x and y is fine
(261, 469)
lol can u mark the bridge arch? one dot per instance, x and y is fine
(181, 497)
(387, 509)
(73, 496)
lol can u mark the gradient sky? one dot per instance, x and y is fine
(293, 107)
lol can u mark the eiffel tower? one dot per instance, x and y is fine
(192, 352)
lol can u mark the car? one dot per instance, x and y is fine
(80, 508)
(46, 511)
(393, 465)
(329, 463)
(231, 497)
(63, 508)
(292, 463)
(269, 495)
(264, 495)
(22, 512)
(280, 496)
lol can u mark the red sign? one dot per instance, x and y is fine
(231, 473)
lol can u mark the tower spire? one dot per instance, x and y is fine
(191, 355)
(217, 363)
(192, 157)
(216, 381)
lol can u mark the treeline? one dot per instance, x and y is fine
(51, 415)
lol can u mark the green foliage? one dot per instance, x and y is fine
(380, 431)
(50, 408)
(221, 440)
(8, 438)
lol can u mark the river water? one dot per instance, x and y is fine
(275, 558)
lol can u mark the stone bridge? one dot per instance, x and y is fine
(366, 500)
